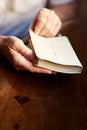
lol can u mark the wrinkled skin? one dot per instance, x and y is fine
(46, 23)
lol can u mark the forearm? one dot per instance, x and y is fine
(65, 11)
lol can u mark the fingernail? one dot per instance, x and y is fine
(49, 72)
(52, 72)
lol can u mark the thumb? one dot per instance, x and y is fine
(24, 50)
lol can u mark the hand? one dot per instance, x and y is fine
(20, 55)
(46, 23)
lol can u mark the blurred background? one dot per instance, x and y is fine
(82, 9)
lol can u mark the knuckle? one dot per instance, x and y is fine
(25, 52)
(10, 40)
(32, 70)
(42, 10)
(53, 12)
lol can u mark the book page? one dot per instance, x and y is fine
(55, 49)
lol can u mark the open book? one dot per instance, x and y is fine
(55, 53)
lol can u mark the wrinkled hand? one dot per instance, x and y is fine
(20, 55)
(46, 23)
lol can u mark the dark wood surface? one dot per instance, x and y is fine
(46, 102)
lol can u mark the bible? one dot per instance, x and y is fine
(55, 53)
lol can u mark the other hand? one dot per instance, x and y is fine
(20, 55)
(46, 23)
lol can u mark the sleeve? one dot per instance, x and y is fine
(60, 1)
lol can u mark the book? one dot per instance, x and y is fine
(55, 53)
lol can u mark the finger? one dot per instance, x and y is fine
(54, 31)
(41, 22)
(49, 24)
(52, 27)
(24, 50)
(40, 70)
(45, 29)
(19, 61)
(22, 63)
(57, 26)
(32, 24)
(18, 45)
(37, 24)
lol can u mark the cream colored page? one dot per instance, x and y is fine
(57, 49)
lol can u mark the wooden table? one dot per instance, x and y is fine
(46, 102)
